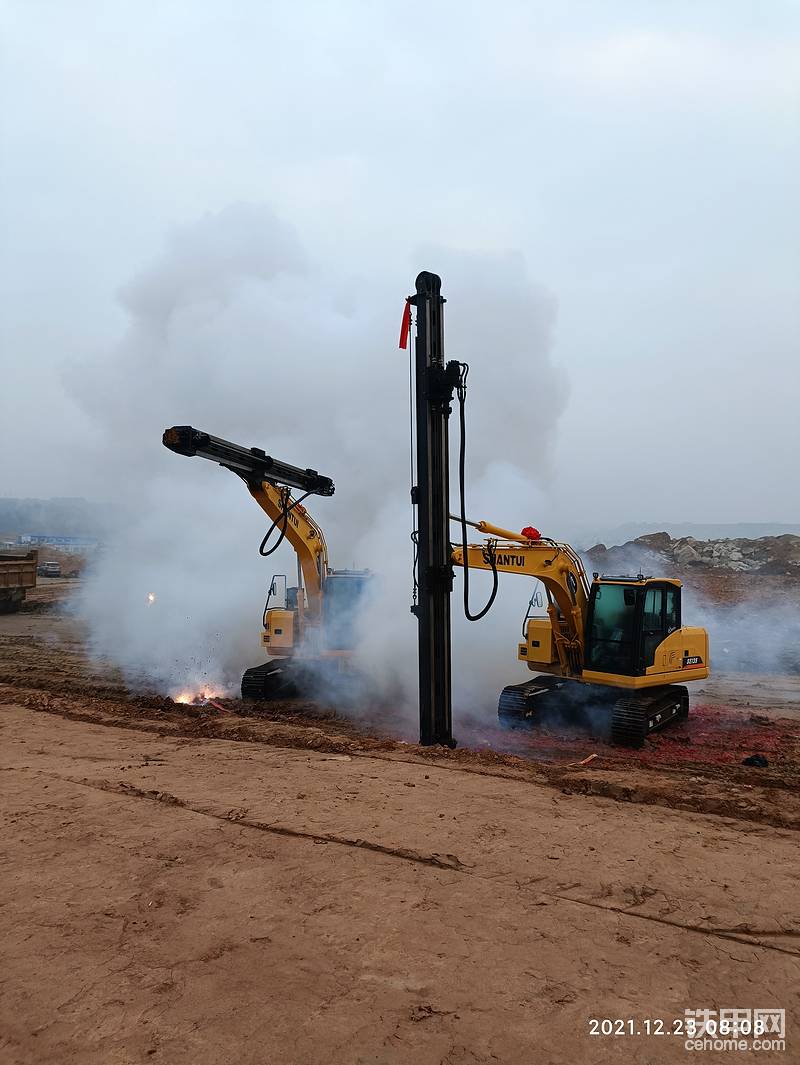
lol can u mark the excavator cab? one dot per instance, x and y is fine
(627, 618)
(280, 596)
(344, 591)
(633, 629)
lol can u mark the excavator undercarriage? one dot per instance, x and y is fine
(622, 719)
(277, 679)
(321, 679)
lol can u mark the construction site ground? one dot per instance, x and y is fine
(279, 884)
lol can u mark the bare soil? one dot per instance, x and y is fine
(278, 884)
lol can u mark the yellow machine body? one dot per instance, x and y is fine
(557, 644)
(278, 636)
(539, 649)
(681, 657)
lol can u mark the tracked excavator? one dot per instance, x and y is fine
(614, 648)
(308, 628)
(615, 644)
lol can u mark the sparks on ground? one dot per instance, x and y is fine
(196, 698)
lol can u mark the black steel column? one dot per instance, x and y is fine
(435, 383)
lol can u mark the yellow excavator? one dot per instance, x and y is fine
(615, 644)
(309, 628)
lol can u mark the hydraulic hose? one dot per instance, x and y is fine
(282, 518)
(461, 392)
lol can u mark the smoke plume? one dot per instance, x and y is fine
(236, 330)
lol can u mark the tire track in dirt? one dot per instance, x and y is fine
(710, 793)
(439, 861)
(719, 933)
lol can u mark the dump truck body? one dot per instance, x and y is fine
(17, 575)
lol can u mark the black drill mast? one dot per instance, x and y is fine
(251, 463)
(434, 392)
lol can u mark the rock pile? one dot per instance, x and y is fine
(658, 552)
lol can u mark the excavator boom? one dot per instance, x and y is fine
(560, 571)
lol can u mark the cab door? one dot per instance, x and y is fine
(612, 631)
(652, 623)
(660, 617)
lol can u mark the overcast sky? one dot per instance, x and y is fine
(638, 161)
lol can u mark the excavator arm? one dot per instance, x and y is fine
(303, 535)
(558, 568)
(269, 482)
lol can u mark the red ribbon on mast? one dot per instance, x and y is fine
(405, 325)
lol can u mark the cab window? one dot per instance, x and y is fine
(652, 623)
(611, 638)
(672, 613)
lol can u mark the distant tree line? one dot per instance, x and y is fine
(58, 517)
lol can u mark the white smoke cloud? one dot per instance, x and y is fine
(235, 330)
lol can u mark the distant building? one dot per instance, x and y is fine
(74, 545)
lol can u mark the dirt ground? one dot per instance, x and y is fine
(276, 885)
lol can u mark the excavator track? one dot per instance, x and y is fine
(314, 680)
(521, 705)
(626, 721)
(634, 717)
(273, 680)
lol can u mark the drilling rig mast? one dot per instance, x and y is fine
(435, 382)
